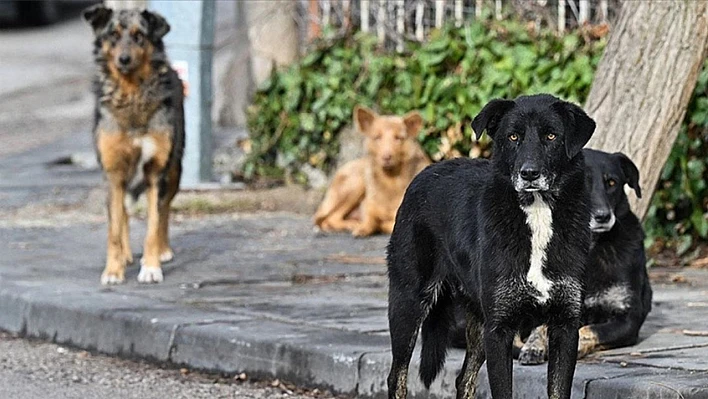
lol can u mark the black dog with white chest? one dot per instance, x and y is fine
(508, 236)
(618, 292)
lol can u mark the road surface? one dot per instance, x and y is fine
(36, 370)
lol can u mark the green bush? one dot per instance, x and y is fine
(296, 116)
(298, 113)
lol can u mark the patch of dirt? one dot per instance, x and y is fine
(293, 199)
(187, 204)
(665, 277)
(353, 259)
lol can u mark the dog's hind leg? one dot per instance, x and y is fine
(343, 196)
(562, 357)
(405, 318)
(466, 382)
(387, 226)
(125, 239)
(171, 186)
(618, 332)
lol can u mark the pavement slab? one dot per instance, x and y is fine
(267, 295)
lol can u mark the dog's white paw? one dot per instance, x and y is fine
(167, 256)
(150, 275)
(111, 279)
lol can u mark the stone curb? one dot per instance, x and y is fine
(344, 362)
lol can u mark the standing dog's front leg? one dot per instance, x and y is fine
(150, 268)
(114, 273)
(498, 344)
(562, 356)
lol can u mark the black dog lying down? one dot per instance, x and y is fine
(618, 293)
(508, 236)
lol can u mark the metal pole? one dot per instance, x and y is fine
(439, 13)
(381, 21)
(400, 24)
(419, 12)
(604, 9)
(584, 13)
(190, 46)
(364, 15)
(458, 13)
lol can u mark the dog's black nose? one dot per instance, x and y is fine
(602, 216)
(124, 59)
(529, 172)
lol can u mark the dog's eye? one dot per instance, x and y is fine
(611, 182)
(377, 137)
(115, 35)
(550, 137)
(399, 138)
(514, 137)
(138, 37)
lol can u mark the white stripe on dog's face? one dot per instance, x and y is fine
(597, 227)
(539, 219)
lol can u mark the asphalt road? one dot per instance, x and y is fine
(36, 370)
(46, 113)
(45, 83)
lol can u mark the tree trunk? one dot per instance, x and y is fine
(273, 36)
(644, 83)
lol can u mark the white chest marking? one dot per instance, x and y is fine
(147, 152)
(540, 220)
(616, 297)
(147, 147)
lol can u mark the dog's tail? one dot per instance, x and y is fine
(435, 332)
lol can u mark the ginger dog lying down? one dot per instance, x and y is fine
(365, 193)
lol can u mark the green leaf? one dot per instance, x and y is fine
(684, 243)
(307, 122)
(700, 223)
(429, 60)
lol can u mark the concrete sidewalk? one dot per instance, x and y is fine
(266, 295)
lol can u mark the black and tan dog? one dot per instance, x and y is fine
(138, 132)
(508, 237)
(618, 293)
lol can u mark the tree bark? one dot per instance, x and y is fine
(644, 83)
(273, 36)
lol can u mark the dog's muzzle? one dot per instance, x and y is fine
(602, 222)
(541, 183)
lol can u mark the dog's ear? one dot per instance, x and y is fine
(157, 25)
(489, 117)
(630, 171)
(98, 16)
(414, 122)
(579, 126)
(364, 118)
